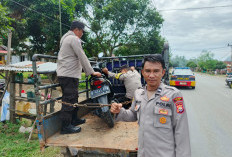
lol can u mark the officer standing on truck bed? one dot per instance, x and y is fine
(160, 112)
(131, 79)
(71, 60)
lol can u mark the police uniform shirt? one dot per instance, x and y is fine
(131, 79)
(72, 58)
(163, 123)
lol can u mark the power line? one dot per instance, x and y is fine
(197, 8)
(38, 12)
(231, 52)
(216, 48)
(225, 55)
(161, 10)
(202, 49)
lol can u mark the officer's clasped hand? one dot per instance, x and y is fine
(105, 70)
(132, 68)
(115, 107)
(96, 74)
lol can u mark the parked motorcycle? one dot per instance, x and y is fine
(101, 92)
(229, 81)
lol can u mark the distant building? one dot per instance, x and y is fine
(14, 58)
(3, 53)
(228, 65)
(227, 62)
(21, 58)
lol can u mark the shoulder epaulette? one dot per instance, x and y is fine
(140, 90)
(170, 87)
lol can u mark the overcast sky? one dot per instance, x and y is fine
(190, 31)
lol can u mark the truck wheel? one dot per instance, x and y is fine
(104, 112)
(65, 151)
(193, 87)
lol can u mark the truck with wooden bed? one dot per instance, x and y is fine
(96, 137)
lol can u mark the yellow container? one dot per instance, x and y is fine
(22, 106)
(26, 107)
(19, 107)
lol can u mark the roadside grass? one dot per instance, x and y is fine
(14, 144)
(82, 86)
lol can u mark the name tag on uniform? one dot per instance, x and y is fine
(164, 98)
(164, 104)
(163, 111)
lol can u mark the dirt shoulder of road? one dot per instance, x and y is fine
(218, 75)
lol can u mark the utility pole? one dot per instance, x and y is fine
(7, 78)
(60, 20)
(9, 48)
(231, 53)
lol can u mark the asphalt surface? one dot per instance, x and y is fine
(209, 109)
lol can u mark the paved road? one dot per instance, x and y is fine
(209, 109)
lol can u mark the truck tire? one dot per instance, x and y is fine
(104, 112)
(65, 152)
(107, 116)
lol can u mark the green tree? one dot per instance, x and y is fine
(220, 65)
(41, 27)
(206, 62)
(205, 55)
(203, 58)
(124, 26)
(179, 61)
(191, 64)
(128, 26)
(210, 64)
(5, 21)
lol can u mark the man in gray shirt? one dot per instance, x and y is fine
(131, 79)
(160, 112)
(71, 61)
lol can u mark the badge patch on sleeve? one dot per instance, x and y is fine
(118, 75)
(177, 99)
(163, 111)
(164, 98)
(179, 107)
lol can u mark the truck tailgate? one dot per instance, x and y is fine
(96, 135)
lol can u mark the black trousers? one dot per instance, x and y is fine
(69, 87)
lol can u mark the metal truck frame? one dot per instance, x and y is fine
(94, 140)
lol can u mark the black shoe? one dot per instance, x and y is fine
(70, 129)
(78, 122)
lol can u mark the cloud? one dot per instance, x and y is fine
(190, 31)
